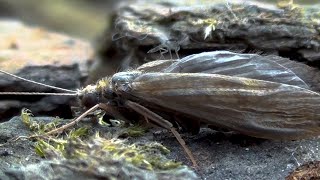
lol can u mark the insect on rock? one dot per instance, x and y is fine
(247, 93)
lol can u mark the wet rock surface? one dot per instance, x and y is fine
(42, 56)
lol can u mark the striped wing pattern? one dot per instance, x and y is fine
(260, 96)
(253, 107)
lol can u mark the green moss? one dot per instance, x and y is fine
(41, 148)
(136, 131)
(35, 126)
(76, 144)
(158, 164)
(156, 146)
(54, 147)
(76, 133)
(149, 156)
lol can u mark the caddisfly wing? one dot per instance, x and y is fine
(253, 107)
(156, 66)
(310, 75)
(239, 65)
(271, 68)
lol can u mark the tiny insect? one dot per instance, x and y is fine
(251, 94)
(168, 45)
(165, 47)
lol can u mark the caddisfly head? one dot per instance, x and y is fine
(101, 92)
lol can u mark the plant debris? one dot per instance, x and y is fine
(310, 170)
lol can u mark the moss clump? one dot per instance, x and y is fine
(75, 144)
(42, 148)
(55, 147)
(136, 131)
(147, 156)
(52, 144)
(35, 126)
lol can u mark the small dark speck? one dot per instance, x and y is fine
(269, 155)
(5, 152)
(56, 62)
(14, 46)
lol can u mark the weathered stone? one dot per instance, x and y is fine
(20, 152)
(19, 160)
(42, 56)
(148, 30)
(220, 156)
(78, 169)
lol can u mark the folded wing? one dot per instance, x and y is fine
(240, 65)
(253, 107)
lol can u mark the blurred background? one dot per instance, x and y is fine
(80, 18)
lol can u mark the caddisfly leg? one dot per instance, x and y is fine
(112, 111)
(72, 123)
(164, 123)
(103, 106)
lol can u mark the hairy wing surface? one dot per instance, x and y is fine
(310, 75)
(235, 64)
(155, 66)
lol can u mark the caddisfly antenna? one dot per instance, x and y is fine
(37, 94)
(71, 92)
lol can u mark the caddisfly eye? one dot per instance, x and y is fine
(109, 94)
(89, 100)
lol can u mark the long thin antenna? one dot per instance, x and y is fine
(34, 82)
(37, 94)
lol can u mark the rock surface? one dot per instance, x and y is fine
(147, 30)
(42, 56)
(139, 28)
(19, 160)
(223, 156)
(220, 156)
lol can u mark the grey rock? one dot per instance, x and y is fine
(19, 161)
(65, 77)
(42, 56)
(78, 169)
(220, 156)
(148, 30)
(232, 156)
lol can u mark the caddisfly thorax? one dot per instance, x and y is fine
(121, 82)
